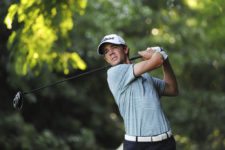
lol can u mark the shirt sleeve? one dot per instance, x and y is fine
(120, 76)
(159, 85)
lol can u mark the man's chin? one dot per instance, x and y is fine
(116, 63)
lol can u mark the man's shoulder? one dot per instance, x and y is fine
(120, 72)
(118, 68)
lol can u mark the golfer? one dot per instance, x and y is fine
(137, 93)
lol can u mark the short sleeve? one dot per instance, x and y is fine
(159, 85)
(120, 76)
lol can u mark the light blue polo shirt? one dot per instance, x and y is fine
(138, 99)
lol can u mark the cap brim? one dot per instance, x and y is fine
(99, 50)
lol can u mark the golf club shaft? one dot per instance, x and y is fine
(70, 78)
(73, 77)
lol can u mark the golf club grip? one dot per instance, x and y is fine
(135, 57)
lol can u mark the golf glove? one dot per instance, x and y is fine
(161, 51)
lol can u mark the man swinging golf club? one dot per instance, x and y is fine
(137, 94)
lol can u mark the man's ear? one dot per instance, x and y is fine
(126, 49)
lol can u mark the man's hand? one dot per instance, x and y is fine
(147, 54)
(151, 61)
(161, 51)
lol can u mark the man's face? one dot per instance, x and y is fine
(115, 54)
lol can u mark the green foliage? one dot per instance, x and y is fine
(43, 37)
(20, 135)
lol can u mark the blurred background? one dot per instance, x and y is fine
(45, 41)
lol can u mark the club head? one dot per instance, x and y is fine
(18, 101)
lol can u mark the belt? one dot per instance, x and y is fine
(155, 138)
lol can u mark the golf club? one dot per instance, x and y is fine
(18, 99)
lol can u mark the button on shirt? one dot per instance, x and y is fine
(138, 99)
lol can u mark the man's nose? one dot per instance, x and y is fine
(111, 51)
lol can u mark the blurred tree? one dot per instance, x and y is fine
(41, 36)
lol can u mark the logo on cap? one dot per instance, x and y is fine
(107, 38)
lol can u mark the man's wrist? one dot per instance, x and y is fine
(161, 51)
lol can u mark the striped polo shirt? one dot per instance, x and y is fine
(138, 100)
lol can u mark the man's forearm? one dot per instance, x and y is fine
(150, 62)
(170, 79)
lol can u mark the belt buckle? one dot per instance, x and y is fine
(144, 139)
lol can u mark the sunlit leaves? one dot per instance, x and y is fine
(194, 4)
(82, 4)
(65, 60)
(44, 25)
(9, 18)
(66, 23)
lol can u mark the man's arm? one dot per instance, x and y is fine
(151, 61)
(171, 87)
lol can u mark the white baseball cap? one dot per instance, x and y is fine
(111, 38)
